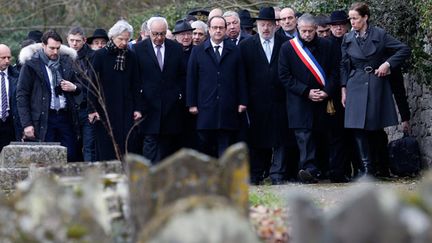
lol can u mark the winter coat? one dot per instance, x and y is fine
(369, 100)
(304, 113)
(266, 93)
(34, 92)
(217, 89)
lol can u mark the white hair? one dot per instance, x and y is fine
(231, 14)
(120, 27)
(154, 19)
(200, 25)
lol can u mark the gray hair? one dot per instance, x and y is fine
(307, 18)
(231, 14)
(120, 27)
(144, 27)
(154, 19)
(200, 25)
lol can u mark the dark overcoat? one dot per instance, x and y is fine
(217, 89)
(163, 91)
(13, 75)
(266, 107)
(121, 93)
(369, 100)
(298, 81)
(34, 92)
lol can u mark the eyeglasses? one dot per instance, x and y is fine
(156, 34)
(217, 27)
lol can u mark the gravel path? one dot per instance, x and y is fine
(328, 195)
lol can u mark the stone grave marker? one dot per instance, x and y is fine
(187, 178)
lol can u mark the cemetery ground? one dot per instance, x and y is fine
(269, 205)
(199, 199)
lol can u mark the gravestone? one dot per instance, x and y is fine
(16, 158)
(21, 155)
(185, 181)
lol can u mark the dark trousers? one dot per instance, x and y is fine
(157, 147)
(60, 129)
(279, 163)
(260, 162)
(215, 142)
(7, 132)
(307, 149)
(87, 138)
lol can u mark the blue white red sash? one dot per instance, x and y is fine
(309, 61)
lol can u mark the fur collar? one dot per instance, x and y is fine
(27, 52)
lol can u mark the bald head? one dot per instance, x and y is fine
(5, 57)
(215, 12)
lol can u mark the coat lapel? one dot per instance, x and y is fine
(227, 47)
(353, 47)
(210, 51)
(258, 46)
(151, 53)
(369, 47)
(276, 47)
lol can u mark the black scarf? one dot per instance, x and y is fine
(120, 63)
(311, 45)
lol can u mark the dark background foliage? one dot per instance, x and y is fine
(407, 20)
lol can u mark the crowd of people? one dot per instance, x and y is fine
(310, 95)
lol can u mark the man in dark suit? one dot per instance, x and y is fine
(233, 32)
(268, 133)
(9, 122)
(76, 39)
(288, 23)
(216, 89)
(162, 75)
(307, 94)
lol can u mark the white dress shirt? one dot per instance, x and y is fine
(52, 86)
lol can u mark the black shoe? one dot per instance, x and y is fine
(306, 177)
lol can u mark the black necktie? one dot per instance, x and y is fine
(234, 41)
(218, 56)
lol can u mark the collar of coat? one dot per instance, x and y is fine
(374, 35)
(27, 52)
(227, 45)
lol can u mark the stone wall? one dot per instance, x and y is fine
(420, 102)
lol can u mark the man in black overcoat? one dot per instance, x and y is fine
(268, 134)
(216, 89)
(163, 83)
(76, 39)
(307, 100)
(45, 90)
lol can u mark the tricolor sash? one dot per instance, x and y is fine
(309, 61)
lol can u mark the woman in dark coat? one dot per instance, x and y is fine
(368, 55)
(117, 80)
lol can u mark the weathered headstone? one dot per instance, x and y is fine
(76, 169)
(21, 155)
(43, 210)
(190, 176)
(308, 226)
(16, 158)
